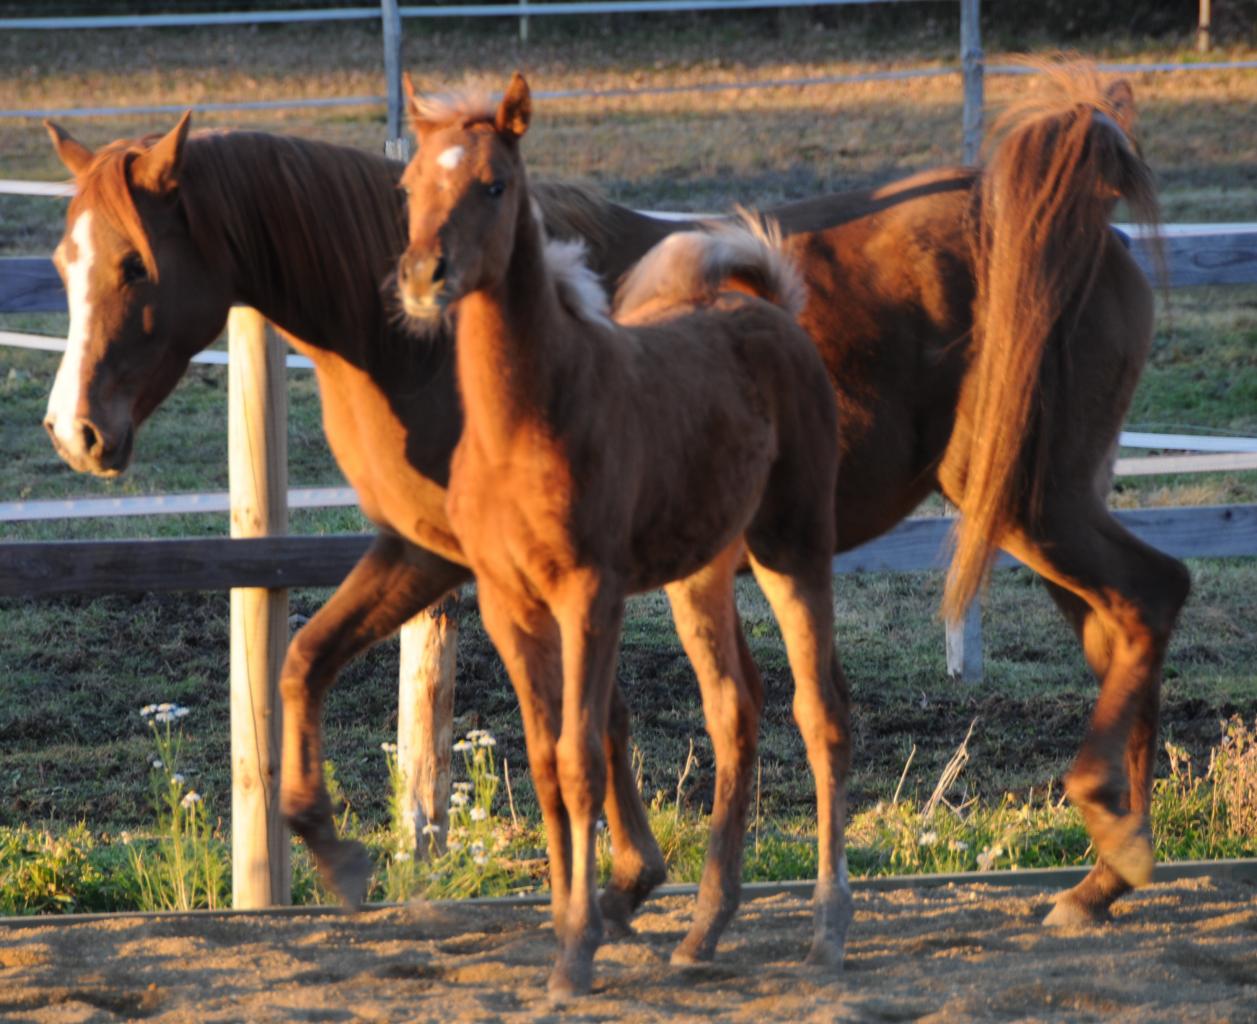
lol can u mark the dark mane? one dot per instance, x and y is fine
(312, 229)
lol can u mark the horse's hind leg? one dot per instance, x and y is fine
(802, 600)
(393, 581)
(1088, 902)
(637, 864)
(707, 623)
(1132, 595)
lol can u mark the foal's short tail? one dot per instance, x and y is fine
(1043, 207)
(692, 267)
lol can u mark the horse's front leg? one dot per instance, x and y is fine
(590, 614)
(393, 582)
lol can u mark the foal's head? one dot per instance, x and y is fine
(465, 189)
(142, 297)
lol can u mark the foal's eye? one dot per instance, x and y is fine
(495, 188)
(133, 269)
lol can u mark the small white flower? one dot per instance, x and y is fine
(487, 741)
(462, 787)
(403, 856)
(156, 762)
(957, 845)
(389, 748)
(479, 814)
(177, 779)
(147, 710)
(600, 825)
(455, 845)
(181, 712)
(125, 837)
(462, 745)
(477, 847)
(987, 858)
(458, 799)
(475, 734)
(190, 798)
(928, 838)
(480, 859)
(431, 829)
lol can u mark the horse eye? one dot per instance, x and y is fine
(133, 269)
(496, 188)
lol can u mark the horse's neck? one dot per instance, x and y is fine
(291, 260)
(512, 340)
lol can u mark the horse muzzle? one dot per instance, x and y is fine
(87, 448)
(422, 286)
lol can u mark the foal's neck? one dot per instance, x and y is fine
(512, 338)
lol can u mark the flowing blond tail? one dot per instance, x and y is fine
(691, 267)
(1044, 204)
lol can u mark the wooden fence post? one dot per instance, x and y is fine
(425, 720)
(1203, 26)
(257, 432)
(971, 64)
(392, 23)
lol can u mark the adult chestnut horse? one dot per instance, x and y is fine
(602, 458)
(923, 295)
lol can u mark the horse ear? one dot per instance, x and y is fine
(417, 124)
(1122, 99)
(157, 170)
(72, 153)
(516, 109)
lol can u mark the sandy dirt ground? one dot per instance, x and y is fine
(1183, 951)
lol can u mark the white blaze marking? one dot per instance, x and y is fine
(451, 158)
(64, 400)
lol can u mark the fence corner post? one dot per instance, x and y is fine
(257, 432)
(971, 62)
(425, 721)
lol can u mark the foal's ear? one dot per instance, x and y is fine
(516, 109)
(72, 153)
(157, 170)
(1122, 98)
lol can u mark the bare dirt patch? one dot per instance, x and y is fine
(1180, 951)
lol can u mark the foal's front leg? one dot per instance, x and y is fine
(393, 582)
(590, 615)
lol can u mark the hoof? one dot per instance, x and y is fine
(615, 928)
(1127, 850)
(691, 952)
(1071, 912)
(347, 873)
(616, 906)
(825, 954)
(568, 982)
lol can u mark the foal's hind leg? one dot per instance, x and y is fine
(1132, 595)
(393, 581)
(707, 623)
(1088, 902)
(802, 600)
(637, 864)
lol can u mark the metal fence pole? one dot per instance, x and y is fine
(392, 22)
(971, 61)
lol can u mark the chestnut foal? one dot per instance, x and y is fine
(599, 460)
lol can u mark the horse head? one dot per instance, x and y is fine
(465, 190)
(143, 298)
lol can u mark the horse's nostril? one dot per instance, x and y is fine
(438, 272)
(92, 440)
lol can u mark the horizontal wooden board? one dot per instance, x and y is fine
(31, 285)
(50, 568)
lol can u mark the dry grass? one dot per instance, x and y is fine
(690, 150)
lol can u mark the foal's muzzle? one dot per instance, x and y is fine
(421, 285)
